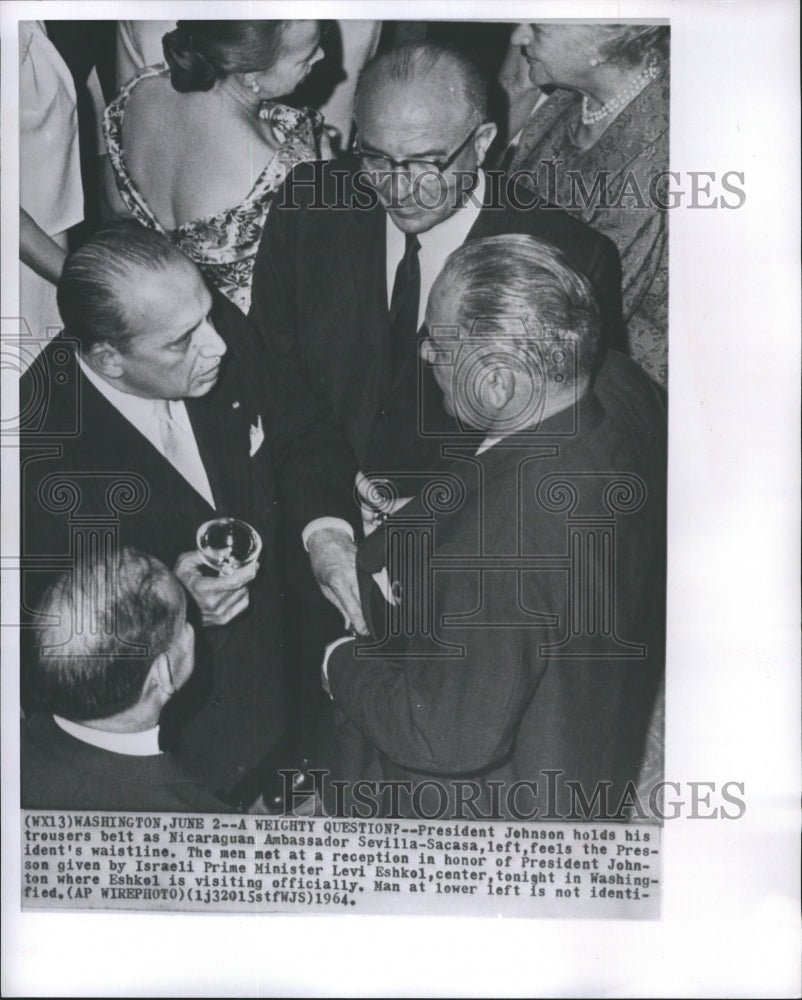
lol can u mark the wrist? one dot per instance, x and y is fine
(331, 525)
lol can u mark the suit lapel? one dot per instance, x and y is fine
(115, 435)
(220, 424)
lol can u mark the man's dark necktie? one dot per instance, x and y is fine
(404, 304)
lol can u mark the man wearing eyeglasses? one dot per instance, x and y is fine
(348, 257)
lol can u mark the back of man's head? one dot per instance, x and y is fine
(100, 278)
(523, 293)
(103, 624)
(454, 75)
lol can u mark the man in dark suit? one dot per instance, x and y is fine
(141, 423)
(517, 609)
(350, 251)
(112, 648)
(323, 278)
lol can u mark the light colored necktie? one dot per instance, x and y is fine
(181, 451)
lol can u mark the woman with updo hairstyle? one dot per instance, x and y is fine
(199, 149)
(598, 146)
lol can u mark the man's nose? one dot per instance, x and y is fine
(402, 181)
(522, 35)
(213, 345)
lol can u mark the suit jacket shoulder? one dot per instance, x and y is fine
(513, 207)
(61, 772)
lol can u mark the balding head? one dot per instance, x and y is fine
(103, 625)
(141, 314)
(420, 113)
(513, 333)
(98, 284)
(456, 78)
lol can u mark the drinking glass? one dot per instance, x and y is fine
(226, 544)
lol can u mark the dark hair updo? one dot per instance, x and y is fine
(201, 52)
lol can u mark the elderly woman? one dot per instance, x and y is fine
(599, 147)
(198, 150)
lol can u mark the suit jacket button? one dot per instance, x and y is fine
(216, 702)
(384, 415)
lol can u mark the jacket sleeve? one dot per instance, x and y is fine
(444, 714)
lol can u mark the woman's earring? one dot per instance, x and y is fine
(594, 63)
(250, 79)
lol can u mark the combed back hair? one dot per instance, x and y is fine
(459, 76)
(632, 43)
(88, 292)
(104, 623)
(521, 290)
(199, 53)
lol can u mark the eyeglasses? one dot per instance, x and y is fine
(381, 162)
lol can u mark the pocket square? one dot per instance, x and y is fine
(257, 436)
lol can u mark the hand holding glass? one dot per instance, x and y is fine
(226, 544)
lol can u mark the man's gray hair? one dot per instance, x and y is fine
(522, 291)
(101, 626)
(89, 289)
(417, 61)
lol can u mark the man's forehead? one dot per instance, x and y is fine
(414, 105)
(150, 296)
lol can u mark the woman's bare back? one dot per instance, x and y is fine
(192, 155)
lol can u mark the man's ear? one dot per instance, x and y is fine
(104, 359)
(159, 679)
(499, 386)
(485, 135)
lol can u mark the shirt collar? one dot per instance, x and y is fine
(580, 418)
(487, 444)
(142, 744)
(137, 410)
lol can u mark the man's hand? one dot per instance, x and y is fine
(220, 598)
(333, 557)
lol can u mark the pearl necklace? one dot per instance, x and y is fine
(621, 99)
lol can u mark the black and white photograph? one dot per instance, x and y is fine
(396, 533)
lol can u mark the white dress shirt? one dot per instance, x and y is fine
(435, 245)
(143, 414)
(143, 744)
(486, 444)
